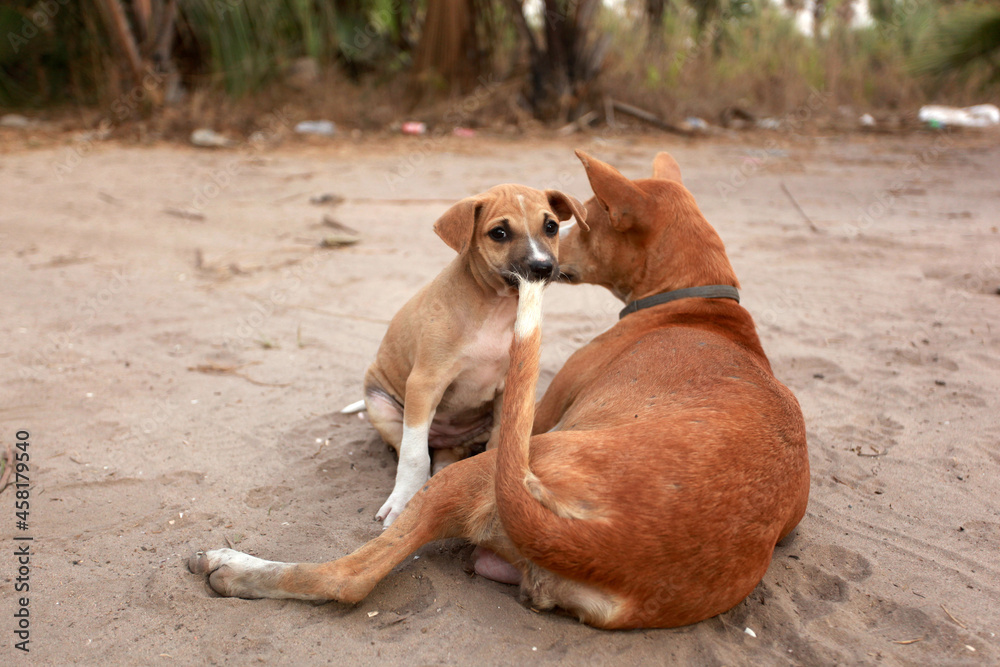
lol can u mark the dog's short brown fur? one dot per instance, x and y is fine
(666, 460)
(438, 377)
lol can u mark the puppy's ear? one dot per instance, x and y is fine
(565, 207)
(619, 196)
(458, 223)
(665, 168)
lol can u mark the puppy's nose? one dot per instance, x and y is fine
(540, 269)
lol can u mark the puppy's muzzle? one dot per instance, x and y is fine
(532, 269)
(540, 270)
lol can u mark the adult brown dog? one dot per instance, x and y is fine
(666, 461)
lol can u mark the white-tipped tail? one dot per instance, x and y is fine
(354, 408)
(529, 308)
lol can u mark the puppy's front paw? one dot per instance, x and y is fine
(395, 504)
(390, 510)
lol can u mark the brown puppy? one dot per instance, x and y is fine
(666, 461)
(438, 378)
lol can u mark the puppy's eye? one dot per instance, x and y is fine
(551, 227)
(498, 234)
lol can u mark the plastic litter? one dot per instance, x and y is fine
(867, 120)
(323, 128)
(207, 138)
(414, 127)
(696, 124)
(15, 120)
(981, 115)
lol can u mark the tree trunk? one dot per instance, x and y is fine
(654, 17)
(144, 36)
(446, 55)
(566, 60)
(706, 10)
(819, 15)
(118, 26)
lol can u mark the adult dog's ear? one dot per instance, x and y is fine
(665, 168)
(458, 223)
(565, 207)
(619, 196)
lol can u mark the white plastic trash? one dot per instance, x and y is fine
(981, 115)
(323, 128)
(15, 120)
(207, 138)
(696, 124)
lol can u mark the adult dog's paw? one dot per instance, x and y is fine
(235, 574)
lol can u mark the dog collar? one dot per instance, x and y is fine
(703, 292)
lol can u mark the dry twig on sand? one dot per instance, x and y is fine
(218, 369)
(950, 615)
(650, 118)
(798, 208)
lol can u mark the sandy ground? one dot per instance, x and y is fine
(884, 321)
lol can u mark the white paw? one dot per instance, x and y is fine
(412, 473)
(396, 503)
(233, 573)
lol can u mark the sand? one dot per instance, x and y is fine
(177, 345)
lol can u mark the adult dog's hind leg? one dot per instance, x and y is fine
(457, 502)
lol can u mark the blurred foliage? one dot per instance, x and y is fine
(751, 55)
(66, 50)
(51, 53)
(968, 38)
(673, 55)
(241, 45)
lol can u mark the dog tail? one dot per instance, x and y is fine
(354, 408)
(521, 497)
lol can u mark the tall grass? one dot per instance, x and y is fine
(243, 45)
(755, 58)
(968, 39)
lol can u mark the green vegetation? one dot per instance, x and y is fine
(672, 57)
(967, 39)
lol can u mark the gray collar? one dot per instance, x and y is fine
(703, 292)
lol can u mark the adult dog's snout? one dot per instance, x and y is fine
(568, 275)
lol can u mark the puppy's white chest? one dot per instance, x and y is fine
(485, 358)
